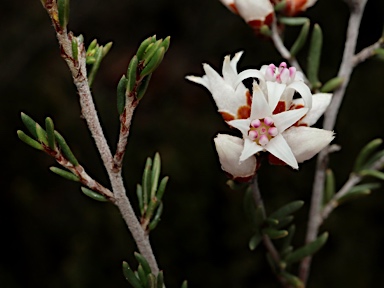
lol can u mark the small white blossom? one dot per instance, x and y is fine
(229, 149)
(232, 98)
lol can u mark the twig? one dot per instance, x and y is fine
(79, 74)
(345, 71)
(367, 52)
(266, 240)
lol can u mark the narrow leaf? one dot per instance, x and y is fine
(283, 222)
(75, 49)
(41, 135)
(132, 74)
(151, 281)
(121, 89)
(166, 42)
(95, 66)
(287, 209)
(65, 149)
(332, 84)
(156, 167)
(301, 39)
(292, 280)
(353, 195)
(184, 284)
(307, 250)
(314, 56)
(50, 129)
(130, 276)
(63, 11)
(156, 218)
(330, 186)
(142, 275)
(286, 245)
(65, 174)
(94, 195)
(151, 51)
(28, 140)
(143, 87)
(274, 233)
(144, 263)
(372, 173)
(92, 48)
(294, 21)
(372, 160)
(161, 188)
(155, 61)
(146, 181)
(139, 193)
(30, 124)
(160, 280)
(254, 241)
(367, 186)
(144, 45)
(366, 152)
(106, 48)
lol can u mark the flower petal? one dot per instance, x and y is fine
(286, 119)
(250, 148)
(251, 10)
(229, 149)
(229, 74)
(306, 142)
(320, 103)
(275, 90)
(242, 125)
(279, 148)
(249, 73)
(199, 80)
(235, 60)
(260, 108)
(304, 91)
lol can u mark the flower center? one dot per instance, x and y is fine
(262, 131)
(280, 74)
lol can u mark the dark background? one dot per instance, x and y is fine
(54, 236)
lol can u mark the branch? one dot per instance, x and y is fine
(330, 116)
(79, 75)
(367, 52)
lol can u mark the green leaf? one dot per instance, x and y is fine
(130, 276)
(144, 45)
(330, 186)
(50, 129)
(151, 51)
(293, 21)
(161, 188)
(132, 74)
(287, 241)
(274, 233)
(121, 89)
(265, 31)
(376, 157)
(301, 39)
(139, 193)
(65, 174)
(255, 241)
(63, 11)
(160, 279)
(151, 281)
(184, 284)
(156, 167)
(314, 56)
(155, 61)
(144, 263)
(292, 280)
(142, 275)
(156, 218)
(166, 42)
(283, 222)
(143, 87)
(271, 222)
(353, 195)
(367, 186)
(146, 181)
(28, 140)
(95, 66)
(280, 6)
(379, 52)
(65, 149)
(30, 124)
(75, 49)
(287, 209)
(41, 135)
(372, 173)
(106, 48)
(366, 152)
(307, 250)
(332, 84)
(92, 48)
(94, 195)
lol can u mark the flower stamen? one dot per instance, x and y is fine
(262, 130)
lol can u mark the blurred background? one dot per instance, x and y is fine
(54, 236)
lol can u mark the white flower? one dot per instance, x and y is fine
(230, 4)
(255, 12)
(275, 120)
(232, 98)
(229, 149)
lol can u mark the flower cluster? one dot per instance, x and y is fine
(258, 13)
(272, 120)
